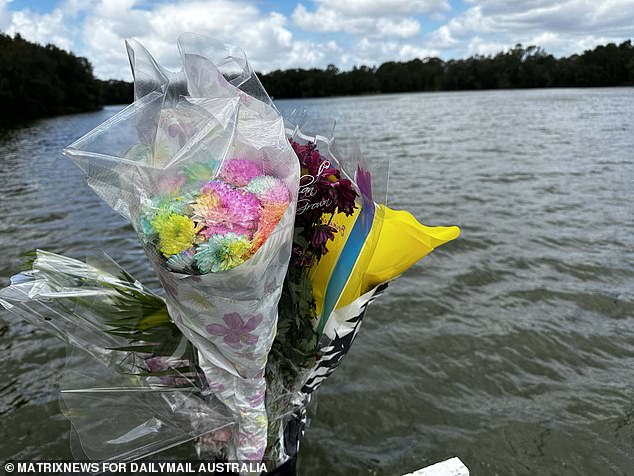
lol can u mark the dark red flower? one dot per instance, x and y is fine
(322, 234)
(346, 196)
(325, 193)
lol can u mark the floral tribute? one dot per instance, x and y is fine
(219, 226)
(268, 251)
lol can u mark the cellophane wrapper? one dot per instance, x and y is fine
(288, 400)
(186, 124)
(118, 411)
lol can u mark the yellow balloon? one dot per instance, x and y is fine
(402, 242)
(392, 244)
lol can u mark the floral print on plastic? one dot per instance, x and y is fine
(237, 332)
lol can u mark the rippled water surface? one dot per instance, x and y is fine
(512, 348)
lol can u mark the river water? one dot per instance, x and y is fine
(512, 347)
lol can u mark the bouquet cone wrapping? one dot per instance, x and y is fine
(181, 133)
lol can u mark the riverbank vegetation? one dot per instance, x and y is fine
(40, 81)
(519, 67)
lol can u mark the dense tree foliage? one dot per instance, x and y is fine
(39, 81)
(520, 67)
(115, 91)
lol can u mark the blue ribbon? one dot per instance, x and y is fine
(347, 260)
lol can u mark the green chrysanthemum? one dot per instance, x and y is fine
(222, 252)
(182, 262)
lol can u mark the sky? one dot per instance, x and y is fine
(280, 34)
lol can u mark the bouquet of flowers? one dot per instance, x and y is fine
(268, 249)
(346, 249)
(207, 178)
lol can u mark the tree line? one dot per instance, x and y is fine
(519, 67)
(40, 81)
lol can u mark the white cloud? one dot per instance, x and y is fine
(567, 16)
(382, 8)
(461, 29)
(380, 18)
(409, 51)
(102, 27)
(563, 45)
(478, 46)
(264, 35)
(72, 8)
(562, 27)
(312, 55)
(442, 38)
(327, 20)
(40, 28)
(404, 28)
(373, 52)
(5, 16)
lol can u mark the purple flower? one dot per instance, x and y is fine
(345, 196)
(237, 332)
(323, 192)
(235, 207)
(322, 234)
(155, 364)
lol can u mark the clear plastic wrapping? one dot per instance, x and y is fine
(310, 346)
(121, 408)
(154, 163)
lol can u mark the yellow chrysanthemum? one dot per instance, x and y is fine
(239, 248)
(176, 233)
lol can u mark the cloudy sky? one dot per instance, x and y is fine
(306, 33)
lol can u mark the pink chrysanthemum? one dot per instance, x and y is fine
(216, 187)
(221, 205)
(239, 172)
(269, 189)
